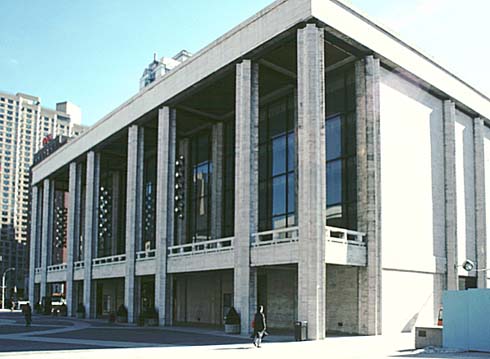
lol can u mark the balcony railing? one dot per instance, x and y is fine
(38, 270)
(345, 236)
(143, 255)
(109, 260)
(275, 236)
(57, 268)
(79, 265)
(215, 245)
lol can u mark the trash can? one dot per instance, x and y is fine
(300, 330)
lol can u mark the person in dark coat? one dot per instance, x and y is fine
(259, 326)
(26, 310)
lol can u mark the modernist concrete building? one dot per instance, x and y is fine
(307, 160)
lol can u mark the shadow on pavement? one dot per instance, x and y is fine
(60, 333)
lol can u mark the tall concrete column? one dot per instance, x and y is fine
(311, 180)
(480, 213)
(80, 207)
(72, 233)
(91, 209)
(450, 210)
(133, 212)
(246, 187)
(369, 192)
(46, 232)
(164, 209)
(217, 180)
(34, 242)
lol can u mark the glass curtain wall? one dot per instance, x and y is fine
(340, 145)
(277, 165)
(149, 202)
(104, 223)
(228, 178)
(200, 187)
(59, 214)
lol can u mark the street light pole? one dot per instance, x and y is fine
(3, 285)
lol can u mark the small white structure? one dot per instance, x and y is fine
(467, 319)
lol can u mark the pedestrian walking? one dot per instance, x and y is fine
(26, 310)
(259, 326)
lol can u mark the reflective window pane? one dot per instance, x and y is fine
(279, 195)
(278, 155)
(334, 182)
(291, 193)
(201, 179)
(333, 139)
(291, 151)
(279, 222)
(277, 162)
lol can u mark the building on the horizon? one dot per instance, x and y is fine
(25, 126)
(308, 160)
(158, 68)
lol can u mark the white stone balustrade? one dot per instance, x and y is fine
(215, 245)
(144, 255)
(345, 247)
(275, 236)
(56, 267)
(346, 236)
(108, 260)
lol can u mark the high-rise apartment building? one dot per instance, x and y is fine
(24, 127)
(158, 68)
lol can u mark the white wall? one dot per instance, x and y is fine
(465, 189)
(412, 176)
(410, 299)
(412, 207)
(486, 141)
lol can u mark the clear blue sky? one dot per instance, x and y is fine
(93, 52)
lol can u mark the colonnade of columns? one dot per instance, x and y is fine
(311, 188)
(42, 219)
(311, 179)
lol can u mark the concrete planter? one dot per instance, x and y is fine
(232, 328)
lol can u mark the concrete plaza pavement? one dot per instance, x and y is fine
(61, 337)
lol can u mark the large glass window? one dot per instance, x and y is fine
(277, 165)
(200, 187)
(149, 202)
(340, 147)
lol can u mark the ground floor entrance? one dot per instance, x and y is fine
(109, 294)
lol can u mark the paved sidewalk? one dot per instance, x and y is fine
(59, 337)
